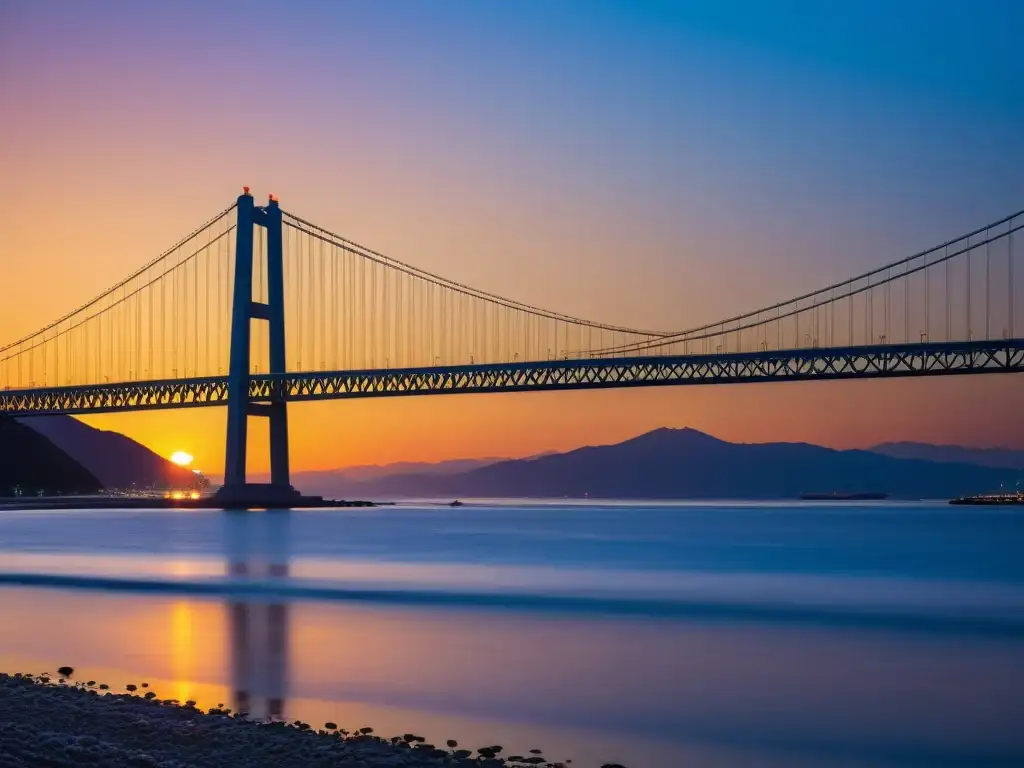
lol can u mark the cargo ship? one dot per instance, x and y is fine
(991, 499)
(844, 496)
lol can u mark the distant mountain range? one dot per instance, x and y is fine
(1004, 458)
(665, 463)
(684, 463)
(118, 462)
(332, 482)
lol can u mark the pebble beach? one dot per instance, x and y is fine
(58, 721)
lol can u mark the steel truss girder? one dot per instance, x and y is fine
(109, 398)
(871, 362)
(886, 361)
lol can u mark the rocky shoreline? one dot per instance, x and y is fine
(57, 721)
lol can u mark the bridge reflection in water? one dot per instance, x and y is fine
(257, 548)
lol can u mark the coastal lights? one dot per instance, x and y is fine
(182, 495)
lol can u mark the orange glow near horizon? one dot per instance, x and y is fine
(328, 435)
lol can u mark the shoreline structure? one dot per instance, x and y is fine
(53, 720)
(31, 503)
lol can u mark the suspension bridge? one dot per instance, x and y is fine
(260, 307)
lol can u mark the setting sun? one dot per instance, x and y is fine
(181, 458)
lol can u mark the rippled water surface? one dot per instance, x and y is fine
(650, 635)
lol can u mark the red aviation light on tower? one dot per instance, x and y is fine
(273, 198)
(245, 191)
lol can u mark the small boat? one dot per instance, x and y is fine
(843, 496)
(455, 503)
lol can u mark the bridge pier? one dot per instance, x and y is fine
(236, 491)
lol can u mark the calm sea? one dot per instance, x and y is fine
(652, 635)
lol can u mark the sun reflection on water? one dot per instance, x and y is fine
(182, 650)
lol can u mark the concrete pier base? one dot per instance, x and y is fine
(263, 496)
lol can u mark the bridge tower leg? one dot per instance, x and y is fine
(238, 366)
(278, 409)
(237, 492)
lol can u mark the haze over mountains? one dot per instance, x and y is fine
(1006, 458)
(686, 463)
(327, 482)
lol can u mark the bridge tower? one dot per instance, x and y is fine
(237, 492)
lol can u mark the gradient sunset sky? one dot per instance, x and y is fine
(651, 164)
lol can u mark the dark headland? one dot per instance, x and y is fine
(116, 460)
(31, 462)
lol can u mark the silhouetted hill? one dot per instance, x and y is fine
(685, 463)
(31, 462)
(118, 461)
(1005, 458)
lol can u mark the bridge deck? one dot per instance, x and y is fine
(867, 362)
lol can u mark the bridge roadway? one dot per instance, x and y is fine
(867, 362)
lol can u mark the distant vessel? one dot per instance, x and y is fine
(991, 499)
(844, 496)
(455, 503)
